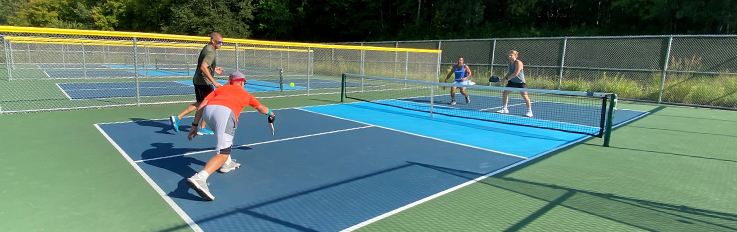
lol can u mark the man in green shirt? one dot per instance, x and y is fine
(203, 80)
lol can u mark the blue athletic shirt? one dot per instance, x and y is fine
(460, 74)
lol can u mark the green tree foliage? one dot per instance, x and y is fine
(366, 20)
(200, 17)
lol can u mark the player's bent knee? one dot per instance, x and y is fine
(225, 151)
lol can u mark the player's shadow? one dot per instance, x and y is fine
(162, 124)
(174, 162)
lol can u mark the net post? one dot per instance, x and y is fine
(281, 80)
(237, 60)
(342, 88)
(666, 59)
(7, 61)
(84, 62)
(135, 69)
(610, 119)
(432, 100)
(562, 61)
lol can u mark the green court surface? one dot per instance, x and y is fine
(673, 170)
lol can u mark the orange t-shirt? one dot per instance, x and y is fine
(234, 97)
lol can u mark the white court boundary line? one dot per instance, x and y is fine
(245, 112)
(259, 143)
(518, 104)
(153, 184)
(65, 92)
(426, 199)
(465, 145)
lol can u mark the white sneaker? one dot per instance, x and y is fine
(529, 113)
(468, 99)
(199, 185)
(503, 111)
(229, 167)
(453, 102)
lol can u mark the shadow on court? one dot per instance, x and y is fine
(164, 125)
(180, 165)
(643, 214)
(251, 208)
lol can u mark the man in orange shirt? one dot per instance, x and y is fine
(220, 110)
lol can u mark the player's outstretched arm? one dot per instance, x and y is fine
(197, 118)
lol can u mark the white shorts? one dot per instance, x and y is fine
(221, 121)
(467, 82)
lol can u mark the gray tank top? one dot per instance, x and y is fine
(520, 78)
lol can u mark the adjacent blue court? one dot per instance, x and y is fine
(117, 71)
(328, 167)
(101, 90)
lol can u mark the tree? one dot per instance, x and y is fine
(201, 17)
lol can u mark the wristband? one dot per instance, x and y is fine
(269, 113)
(195, 124)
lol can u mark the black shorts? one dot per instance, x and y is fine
(201, 91)
(516, 85)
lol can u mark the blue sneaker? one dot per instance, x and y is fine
(174, 123)
(204, 131)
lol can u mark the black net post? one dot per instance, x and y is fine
(610, 119)
(342, 88)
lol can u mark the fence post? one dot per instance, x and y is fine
(666, 60)
(237, 60)
(361, 65)
(135, 69)
(396, 55)
(12, 57)
(332, 61)
(406, 67)
(63, 58)
(308, 70)
(28, 46)
(84, 62)
(363, 52)
(440, 60)
(288, 58)
(269, 58)
(281, 60)
(7, 59)
(147, 60)
(562, 62)
(491, 59)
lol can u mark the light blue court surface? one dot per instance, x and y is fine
(328, 167)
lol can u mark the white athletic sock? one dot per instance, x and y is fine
(229, 160)
(504, 107)
(529, 109)
(203, 174)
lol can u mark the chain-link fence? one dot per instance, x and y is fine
(688, 70)
(52, 69)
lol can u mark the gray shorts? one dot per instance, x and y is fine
(221, 121)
